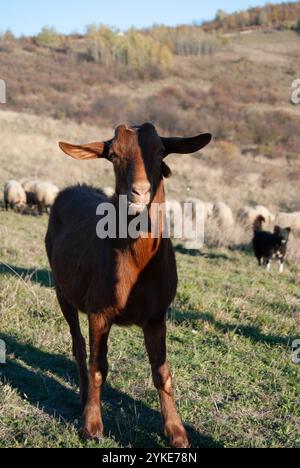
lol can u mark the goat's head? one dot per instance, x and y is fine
(137, 154)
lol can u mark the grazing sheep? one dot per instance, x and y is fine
(173, 210)
(14, 196)
(209, 210)
(26, 182)
(29, 185)
(184, 221)
(291, 220)
(194, 202)
(202, 213)
(207, 207)
(265, 213)
(247, 215)
(223, 215)
(46, 194)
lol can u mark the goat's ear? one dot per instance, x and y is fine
(186, 145)
(84, 152)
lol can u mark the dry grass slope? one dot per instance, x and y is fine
(29, 149)
(241, 93)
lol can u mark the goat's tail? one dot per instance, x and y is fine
(258, 223)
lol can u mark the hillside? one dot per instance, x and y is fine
(235, 84)
(29, 148)
(284, 15)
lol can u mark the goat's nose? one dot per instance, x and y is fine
(141, 190)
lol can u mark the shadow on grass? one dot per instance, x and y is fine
(41, 277)
(38, 379)
(197, 253)
(246, 249)
(246, 331)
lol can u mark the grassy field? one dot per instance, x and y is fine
(230, 334)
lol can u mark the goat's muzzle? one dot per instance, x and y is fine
(139, 198)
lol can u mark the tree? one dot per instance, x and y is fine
(243, 19)
(48, 37)
(8, 36)
(221, 15)
(263, 18)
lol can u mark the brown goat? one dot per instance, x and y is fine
(118, 281)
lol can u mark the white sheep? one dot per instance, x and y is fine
(14, 196)
(265, 213)
(46, 194)
(247, 215)
(209, 210)
(223, 215)
(174, 217)
(205, 206)
(291, 220)
(29, 185)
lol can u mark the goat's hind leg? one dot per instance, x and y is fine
(79, 347)
(155, 340)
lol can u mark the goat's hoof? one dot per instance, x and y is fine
(180, 442)
(179, 438)
(92, 432)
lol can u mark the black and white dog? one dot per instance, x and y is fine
(270, 246)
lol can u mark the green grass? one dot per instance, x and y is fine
(229, 342)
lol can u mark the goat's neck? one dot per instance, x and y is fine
(146, 247)
(135, 255)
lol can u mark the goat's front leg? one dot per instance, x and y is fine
(99, 332)
(155, 340)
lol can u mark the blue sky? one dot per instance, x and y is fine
(29, 16)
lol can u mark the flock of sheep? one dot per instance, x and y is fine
(32, 193)
(29, 193)
(223, 216)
